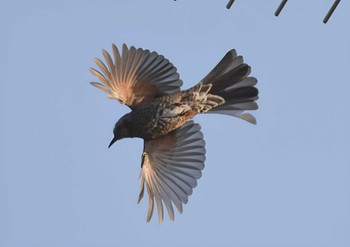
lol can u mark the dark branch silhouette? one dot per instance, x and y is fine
(331, 10)
(229, 4)
(280, 7)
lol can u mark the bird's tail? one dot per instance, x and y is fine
(229, 80)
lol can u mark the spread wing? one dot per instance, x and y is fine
(136, 75)
(171, 165)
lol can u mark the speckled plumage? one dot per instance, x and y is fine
(167, 113)
(174, 149)
(152, 119)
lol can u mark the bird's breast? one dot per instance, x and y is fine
(158, 118)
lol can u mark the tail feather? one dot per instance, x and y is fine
(227, 63)
(232, 77)
(247, 82)
(241, 94)
(230, 81)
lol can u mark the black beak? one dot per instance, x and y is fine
(113, 141)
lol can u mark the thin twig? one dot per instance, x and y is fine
(280, 7)
(229, 4)
(331, 10)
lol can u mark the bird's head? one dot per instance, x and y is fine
(121, 129)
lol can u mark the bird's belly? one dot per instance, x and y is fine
(150, 125)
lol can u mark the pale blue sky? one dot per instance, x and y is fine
(283, 182)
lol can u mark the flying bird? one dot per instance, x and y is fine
(174, 149)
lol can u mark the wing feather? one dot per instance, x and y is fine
(171, 165)
(117, 59)
(135, 75)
